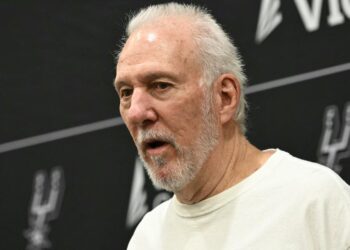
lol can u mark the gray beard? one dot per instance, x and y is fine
(190, 159)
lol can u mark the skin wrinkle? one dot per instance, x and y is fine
(217, 181)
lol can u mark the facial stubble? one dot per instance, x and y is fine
(189, 159)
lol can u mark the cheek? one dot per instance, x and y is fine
(186, 120)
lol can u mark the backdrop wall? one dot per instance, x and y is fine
(69, 174)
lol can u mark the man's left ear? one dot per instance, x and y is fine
(227, 92)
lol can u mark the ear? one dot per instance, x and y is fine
(227, 91)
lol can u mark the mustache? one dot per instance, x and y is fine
(151, 135)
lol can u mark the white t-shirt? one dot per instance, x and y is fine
(286, 204)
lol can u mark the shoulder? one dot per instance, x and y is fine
(318, 196)
(315, 179)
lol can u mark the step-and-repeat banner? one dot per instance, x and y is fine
(69, 173)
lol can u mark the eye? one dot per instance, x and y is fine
(162, 85)
(125, 92)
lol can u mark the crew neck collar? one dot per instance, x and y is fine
(215, 202)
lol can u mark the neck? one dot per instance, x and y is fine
(231, 161)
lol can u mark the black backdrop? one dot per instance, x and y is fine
(69, 176)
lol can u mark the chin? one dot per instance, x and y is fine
(166, 177)
(172, 174)
(171, 178)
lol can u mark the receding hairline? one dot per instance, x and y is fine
(190, 19)
(165, 23)
(160, 26)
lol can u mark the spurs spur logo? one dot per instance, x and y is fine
(138, 206)
(335, 139)
(46, 201)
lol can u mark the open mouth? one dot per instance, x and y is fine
(155, 146)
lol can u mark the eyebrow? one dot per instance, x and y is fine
(117, 84)
(148, 77)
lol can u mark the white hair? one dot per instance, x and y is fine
(217, 53)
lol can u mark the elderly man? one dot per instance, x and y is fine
(181, 89)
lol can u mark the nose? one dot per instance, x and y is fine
(141, 110)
